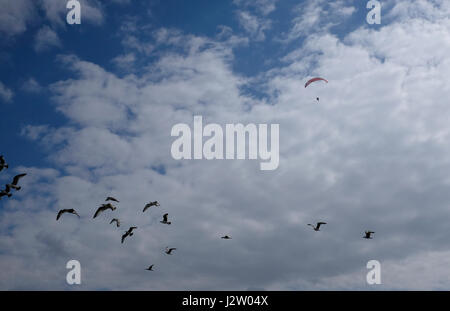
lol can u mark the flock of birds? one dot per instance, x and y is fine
(14, 184)
(109, 206)
(116, 221)
(367, 234)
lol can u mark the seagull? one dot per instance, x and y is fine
(7, 189)
(128, 233)
(3, 163)
(104, 207)
(117, 222)
(164, 221)
(150, 268)
(70, 211)
(226, 237)
(15, 182)
(368, 235)
(112, 199)
(169, 250)
(148, 205)
(316, 228)
(5, 192)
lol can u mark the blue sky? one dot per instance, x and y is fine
(101, 43)
(87, 112)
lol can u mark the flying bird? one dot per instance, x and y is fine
(14, 183)
(112, 199)
(5, 192)
(104, 207)
(226, 237)
(128, 233)
(117, 221)
(148, 205)
(150, 268)
(368, 235)
(3, 163)
(317, 227)
(164, 221)
(7, 189)
(63, 211)
(169, 250)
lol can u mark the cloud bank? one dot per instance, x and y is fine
(373, 155)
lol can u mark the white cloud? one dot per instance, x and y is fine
(56, 11)
(264, 7)
(373, 154)
(423, 271)
(15, 16)
(318, 17)
(254, 25)
(31, 86)
(45, 39)
(133, 43)
(34, 132)
(253, 17)
(422, 9)
(5, 93)
(125, 61)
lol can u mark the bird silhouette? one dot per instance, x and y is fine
(104, 207)
(63, 211)
(3, 163)
(14, 183)
(317, 227)
(226, 237)
(128, 233)
(169, 250)
(368, 235)
(5, 192)
(117, 221)
(150, 268)
(150, 204)
(112, 199)
(164, 221)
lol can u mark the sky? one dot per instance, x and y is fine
(87, 112)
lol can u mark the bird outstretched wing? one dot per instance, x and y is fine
(99, 210)
(116, 221)
(60, 213)
(17, 178)
(112, 199)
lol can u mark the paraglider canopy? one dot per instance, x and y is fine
(314, 80)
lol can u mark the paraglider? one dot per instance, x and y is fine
(314, 80)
